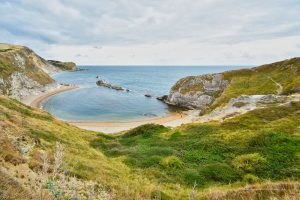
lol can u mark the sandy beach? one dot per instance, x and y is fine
(37, 101)
(171, 120)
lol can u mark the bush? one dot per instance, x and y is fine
(151, 161)
(172, 162)
(218, 172)
(248, 162)
(146, 130)
(250, 178)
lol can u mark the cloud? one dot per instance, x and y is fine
(207, 25)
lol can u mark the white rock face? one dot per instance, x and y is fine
(197, 92)
(243, 104)
(22, 86)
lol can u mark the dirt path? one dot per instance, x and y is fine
(280, 88)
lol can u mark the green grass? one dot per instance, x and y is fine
(210, 153)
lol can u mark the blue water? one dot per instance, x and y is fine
(93, 103)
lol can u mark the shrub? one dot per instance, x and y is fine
(248, 162)
(146, 130)
(172, 162)
(151, 161)
(191, 176)
(218, 172)
(250, 178)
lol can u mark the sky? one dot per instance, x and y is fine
(155, 32)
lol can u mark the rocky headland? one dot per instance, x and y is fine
(24, 73)
(208, 92)
(65, 66)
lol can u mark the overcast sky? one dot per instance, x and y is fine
(155, 32)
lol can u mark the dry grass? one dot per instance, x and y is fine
(11, 189)
(273, 191)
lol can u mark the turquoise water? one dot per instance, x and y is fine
(93, 103)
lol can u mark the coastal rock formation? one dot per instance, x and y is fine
(246, 103)
(208, 92)
(197, 92)
(22, 72)
(108, 85)
(162, 98)
(65, 66)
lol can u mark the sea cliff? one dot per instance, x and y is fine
(23, 72)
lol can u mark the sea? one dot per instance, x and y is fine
(95, 103)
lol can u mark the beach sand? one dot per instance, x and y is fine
(171, 120)
(36, 101)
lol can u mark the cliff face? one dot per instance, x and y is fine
(23, 72)
(213, 90)
(197, 91)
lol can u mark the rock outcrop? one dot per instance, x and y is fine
(197, 92)
(108, 85)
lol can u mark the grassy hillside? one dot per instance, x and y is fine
(262, 80)
(258, 146)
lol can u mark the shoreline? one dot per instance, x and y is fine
(172, 120)
(38, 100)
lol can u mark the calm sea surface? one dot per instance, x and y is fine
(93, 103)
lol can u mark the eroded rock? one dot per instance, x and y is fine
(197, 92)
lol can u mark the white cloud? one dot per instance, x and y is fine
(156, 31)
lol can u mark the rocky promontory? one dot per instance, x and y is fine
(208, 92)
